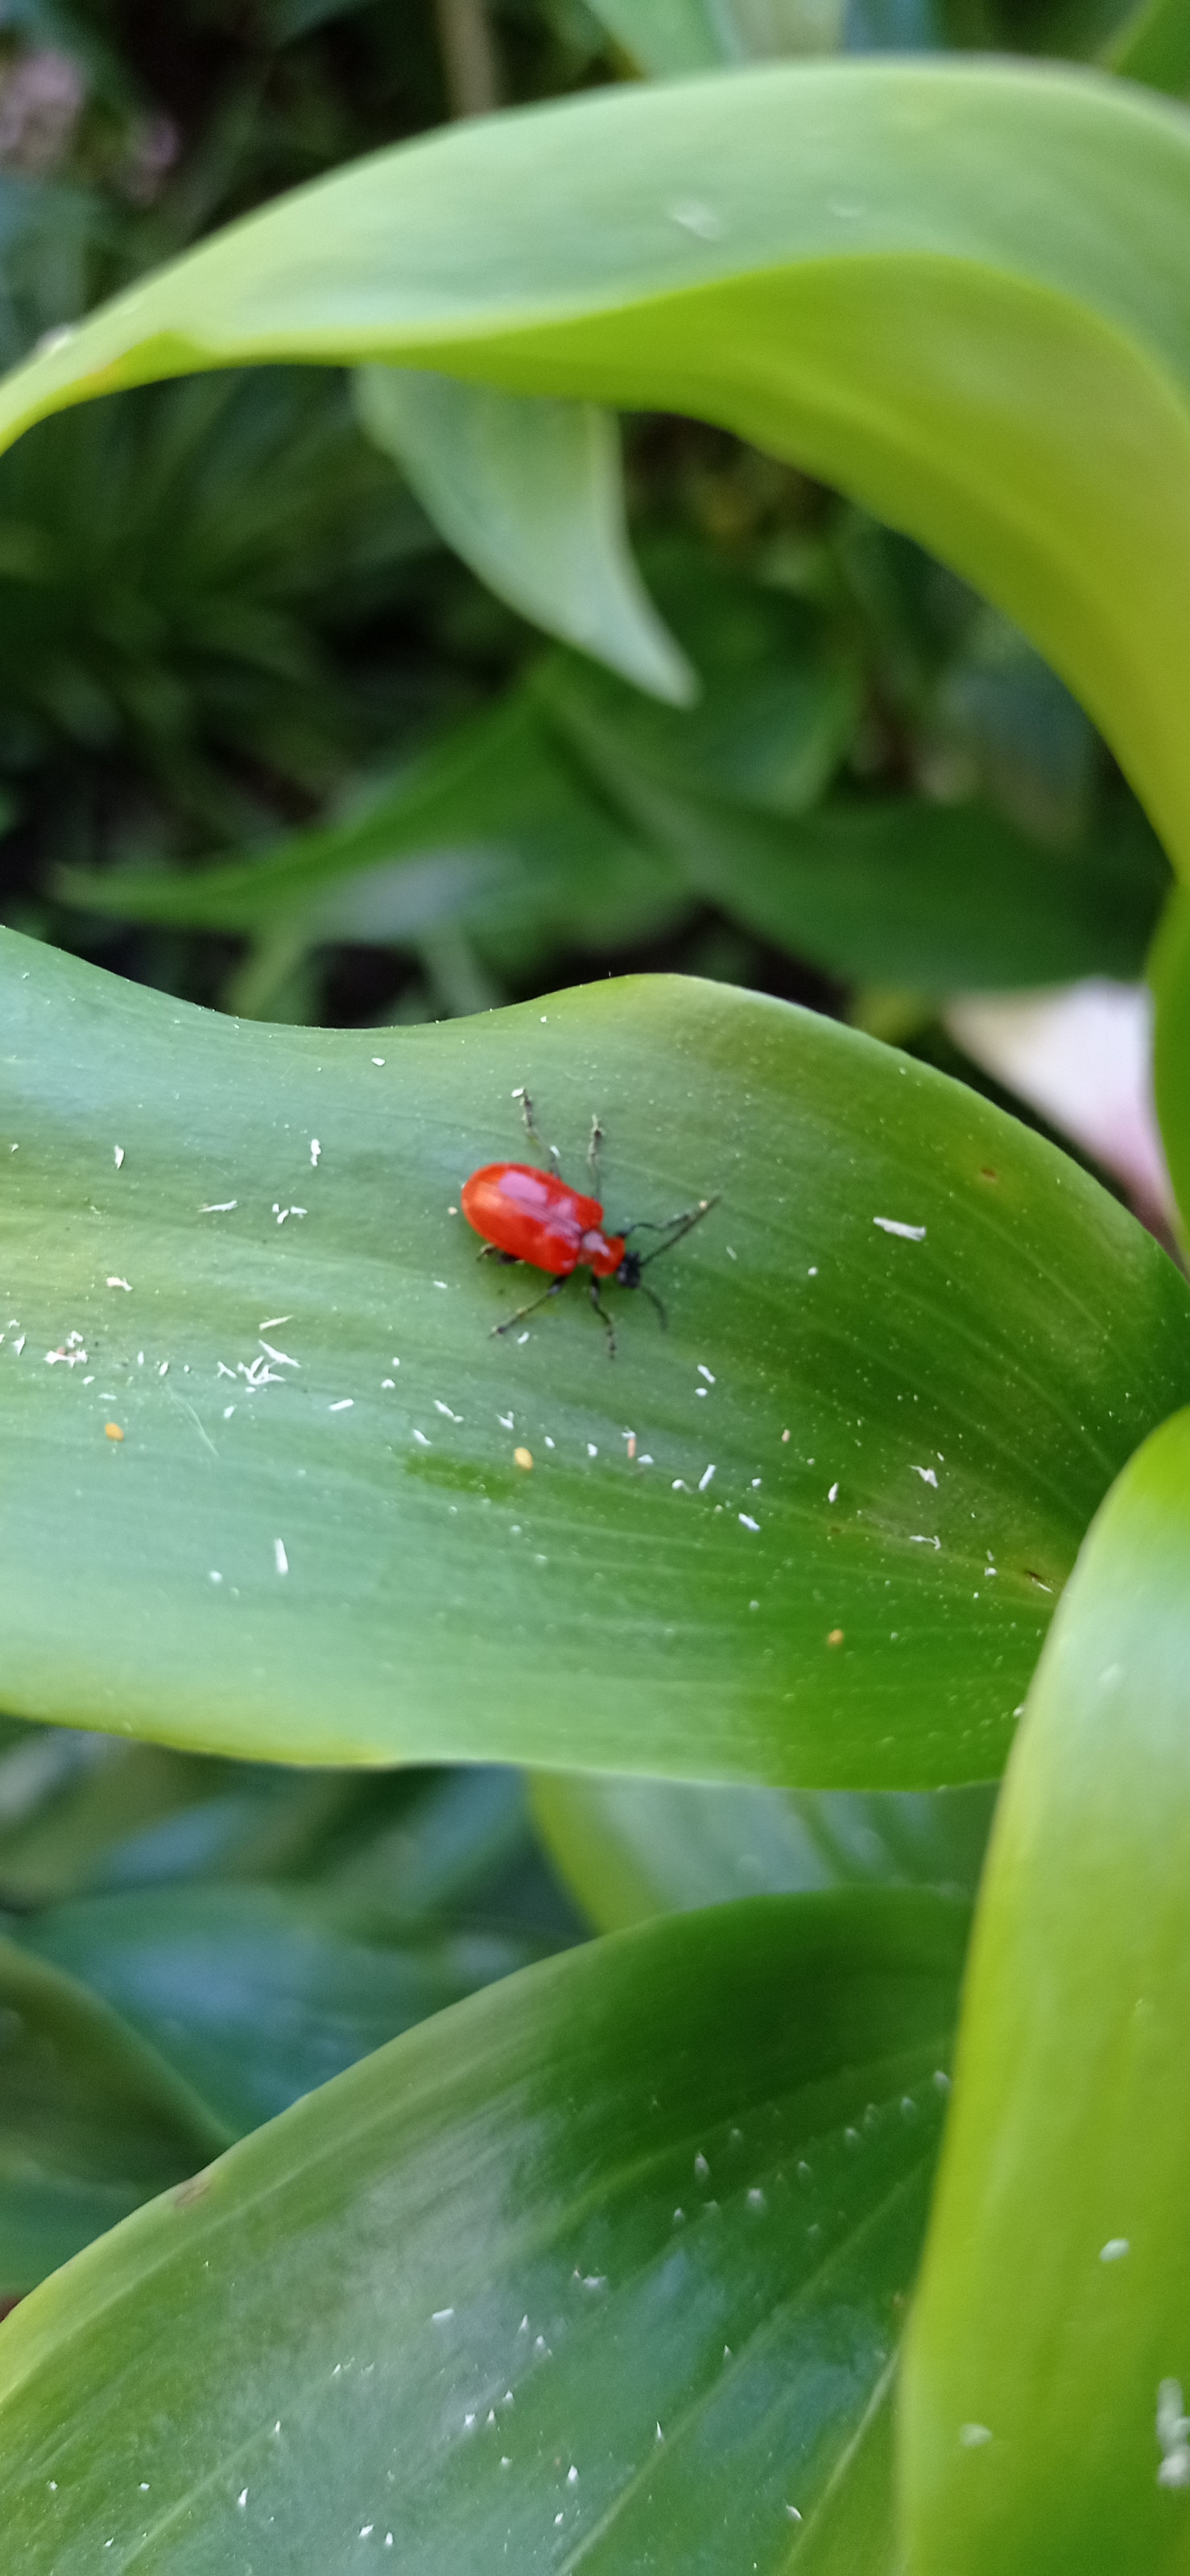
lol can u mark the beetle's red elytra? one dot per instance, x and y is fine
(534, 1216)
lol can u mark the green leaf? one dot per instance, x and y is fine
(92, 2120)
(1169, 975)
(1153, 45)
(608, 2261)
(938, 898)
(530, 493)
(1052, 2339)
(631, 1849)
(348, 1563)
(839, 262)
(488, 830)
(254, 1995)
(667, 36)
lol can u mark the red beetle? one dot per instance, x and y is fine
(534, 1216)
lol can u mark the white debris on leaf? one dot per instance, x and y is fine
(315, 1151)
(919, 1538)
(126, 1284)
(973, 2436)
(693, 215)
(282, 1561)
(893, 1225)
(118, 1152)
(927, 1476)
(705, 1478)
(1172, 2429)
(746, 1522)
(343, 1404)
(219, 1207)
(282, 1357)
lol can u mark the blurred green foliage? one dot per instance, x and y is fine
(265, 742)
(229, 634)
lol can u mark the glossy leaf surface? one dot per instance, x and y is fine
(529, 492)
(1051, 2350)
(634, 1848)
(314, 1538)
(608, 2263)
(92, 2120)
(863, 286)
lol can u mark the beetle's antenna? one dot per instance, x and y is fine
(682, 1225)
(555, 1160)
(593, 1148)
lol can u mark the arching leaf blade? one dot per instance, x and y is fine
(530, 492)
(631, 1849)
(865, 287)
(608, 2260)
(285, 1475)
(93, 2120)
(1043, 2424)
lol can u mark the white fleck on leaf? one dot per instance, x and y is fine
(893, 1225)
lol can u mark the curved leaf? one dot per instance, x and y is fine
(257, 1994)
(631, 1849)
(1051, 2348)
(92, 2120)
(838, 261)
(307, 1532)
(938, 898)
(1169, 975)
(1153, 45)
(530, 493)
(607, 2264)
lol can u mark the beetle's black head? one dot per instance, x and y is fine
(628, 1274)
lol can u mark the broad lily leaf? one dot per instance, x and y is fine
(608, 2263)
(1153, 45)
(489, 829)
(1045, 2427)
(1169, 974)
(634, 1848)
(940, 898)
(92, 2120)
(254, 1995)
(667, 36)
(530, 493)
(313, 1509)
(838, 261)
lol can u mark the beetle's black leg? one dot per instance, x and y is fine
(531, 1308)
(492, 1252)
(551, 1151)
(604, 1317)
